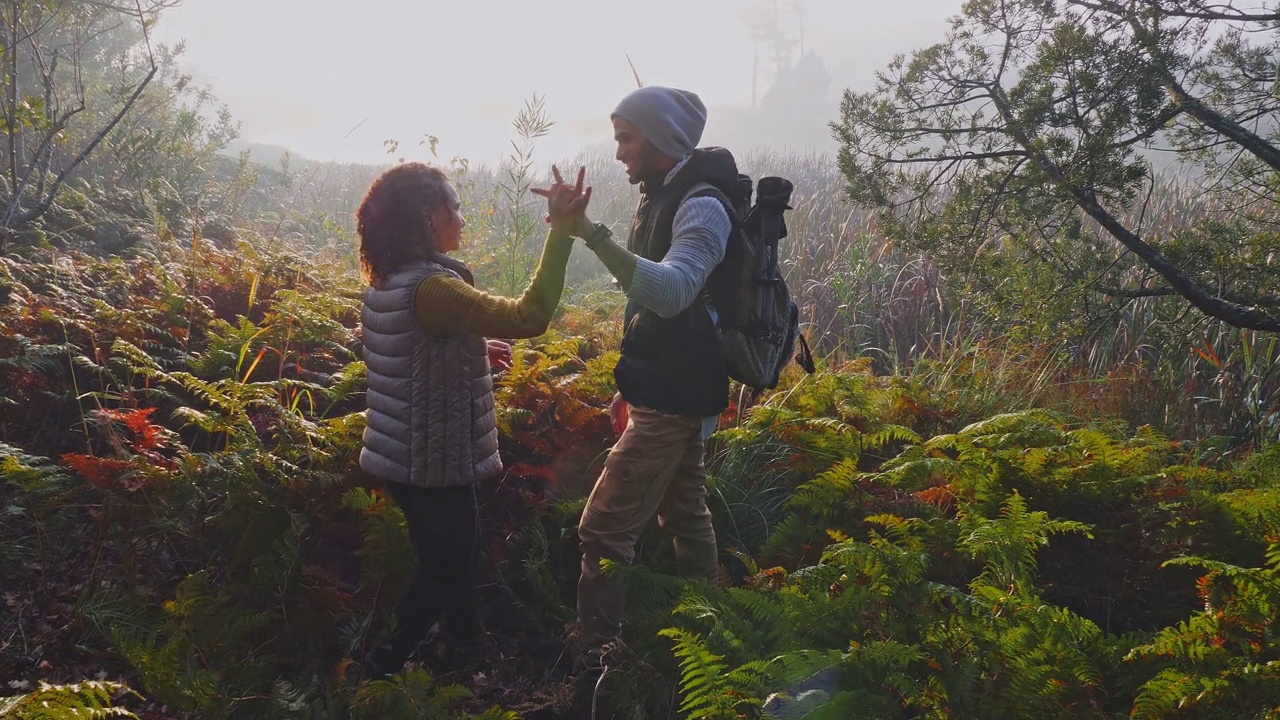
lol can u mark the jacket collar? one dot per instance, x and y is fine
(656, 183)
(449, 263)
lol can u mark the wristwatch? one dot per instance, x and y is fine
(599, 234)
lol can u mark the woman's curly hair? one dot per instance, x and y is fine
(394, 219)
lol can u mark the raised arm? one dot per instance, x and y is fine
(700, 233)
(446, 305)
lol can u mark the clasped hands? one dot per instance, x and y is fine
(567, 204)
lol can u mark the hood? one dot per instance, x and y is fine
(712, 165)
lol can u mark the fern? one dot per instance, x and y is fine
(651, 596)
(1007, 546)
(32, 356)
(37, 492)
(1011, 423)
(809, 678)
(415, 695)
(711, 690)
(1224, 659)
(887, 435)
(387, 559)
(1164, 695)
(534, 586)
(90, 699)
(347, 382)
(746, 623)
(225, 348)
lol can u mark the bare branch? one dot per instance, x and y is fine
(38, 169)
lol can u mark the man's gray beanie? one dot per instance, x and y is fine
(671, 119)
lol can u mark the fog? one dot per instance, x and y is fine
(334, 80)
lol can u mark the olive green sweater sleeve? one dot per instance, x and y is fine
(447, 305)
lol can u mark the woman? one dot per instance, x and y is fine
(431, 433)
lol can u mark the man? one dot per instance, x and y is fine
(671, 372)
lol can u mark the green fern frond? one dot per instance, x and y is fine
(711, 690)
(762, 610)
(1007, 546)
(800, 669)
(1011, 422)
(139, 361)
(360, 499)
(1164, 695)
(38, 357)
(90, 699)
(890, 434)
(904, 532)
(347, 381)
(30, 473)
(914, 471)
(831, 493)
(413, 694)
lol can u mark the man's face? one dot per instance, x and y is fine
(641, 159)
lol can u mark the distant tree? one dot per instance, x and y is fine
(72, 70)
(794, 108)
(767, 22)
(1026, 137)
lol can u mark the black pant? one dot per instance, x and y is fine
(444, 528)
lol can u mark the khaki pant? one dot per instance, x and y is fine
(654, 469)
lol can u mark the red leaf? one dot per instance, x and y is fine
(102, 473)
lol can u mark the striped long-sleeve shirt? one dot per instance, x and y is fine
(698, 239)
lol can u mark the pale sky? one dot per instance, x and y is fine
(333, 80)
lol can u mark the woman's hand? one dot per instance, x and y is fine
(499, 354)
(567, 204)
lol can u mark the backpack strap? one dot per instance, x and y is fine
(695, 189)
(705, 189)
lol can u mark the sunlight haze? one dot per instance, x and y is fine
(332, 81)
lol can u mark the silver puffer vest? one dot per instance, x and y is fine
(430, 398)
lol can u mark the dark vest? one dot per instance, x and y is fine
(672, 365)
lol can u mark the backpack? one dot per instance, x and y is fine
(759, 322)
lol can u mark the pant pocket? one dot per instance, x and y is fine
(629, 489)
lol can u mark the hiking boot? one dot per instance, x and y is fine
(604, 678)
(592, 653)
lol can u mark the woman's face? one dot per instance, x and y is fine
(448, 221)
